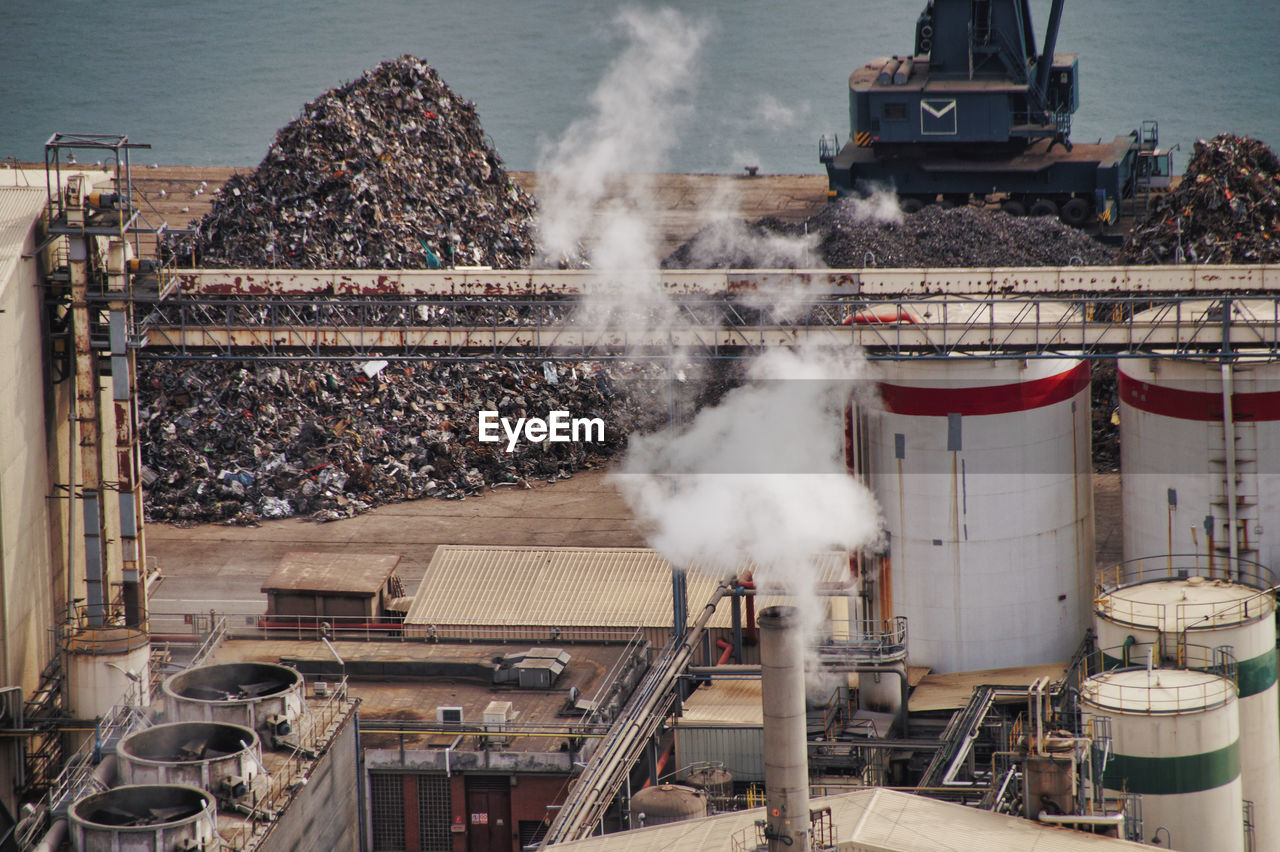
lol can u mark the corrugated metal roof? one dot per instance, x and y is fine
(871, 820)
(566, 587)
(306, 571)
(724, 702)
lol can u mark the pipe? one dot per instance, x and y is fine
(887, 71)
(661, 764)
(726, 652)
(786, 754)
(749, 586)
(1229, 451)
(903, 74)
(1115, 819)
(56, 836)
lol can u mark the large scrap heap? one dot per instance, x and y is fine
(1225, 210)
(390, 171)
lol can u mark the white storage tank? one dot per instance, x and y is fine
(145, 818)
(1168, 602)
(1175, 739)
(214, 756)
(1185, 488)
(107, 666)
(261, 696)
(982, 469)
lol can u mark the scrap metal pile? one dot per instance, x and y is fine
(1225, 210)
(390, 171)
(849, 235)
(329, 440)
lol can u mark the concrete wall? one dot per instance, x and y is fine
(324, 814)
(30, 580)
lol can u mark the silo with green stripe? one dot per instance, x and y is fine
(1175, 738)
(1175, 603)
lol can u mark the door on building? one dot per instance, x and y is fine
(489, 814)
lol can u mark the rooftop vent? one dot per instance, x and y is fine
(536, 668)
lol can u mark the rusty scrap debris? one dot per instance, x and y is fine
(390, 171)
(329, 440)
(849, 237)
(1225, 210)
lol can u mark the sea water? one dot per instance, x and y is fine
(209, 83)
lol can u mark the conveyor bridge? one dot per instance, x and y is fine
(1137, 311)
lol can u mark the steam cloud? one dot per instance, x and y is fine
(760, 477)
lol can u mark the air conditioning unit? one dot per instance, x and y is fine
(449, 714)
(497, 713)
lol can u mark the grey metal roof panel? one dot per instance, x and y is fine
(565, 587)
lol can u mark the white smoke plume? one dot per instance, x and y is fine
(592, 183)
(759, 478)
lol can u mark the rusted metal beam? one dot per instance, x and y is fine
(976, 335)
(1203, 279)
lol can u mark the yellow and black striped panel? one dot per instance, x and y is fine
(862, 140)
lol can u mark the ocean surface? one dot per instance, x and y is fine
(209, 83)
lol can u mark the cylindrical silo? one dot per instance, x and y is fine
(982, 469)
(1172, 603)
(1175, 739)
(107, 666)
(1186, 488)
(786, 748)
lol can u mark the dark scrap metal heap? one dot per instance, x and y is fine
(1225, 210)
(935, 237)
(390, 171)
(329, 440)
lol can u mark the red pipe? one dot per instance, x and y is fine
(662, 763)
(728, 652)
(881, 318)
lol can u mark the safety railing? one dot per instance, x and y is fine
(1158, 693)
(1176, 615)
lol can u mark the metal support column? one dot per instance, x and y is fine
(128, 450)
(89, 426)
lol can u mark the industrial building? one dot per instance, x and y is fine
(524, 696)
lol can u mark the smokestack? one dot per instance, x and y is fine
(786, 758)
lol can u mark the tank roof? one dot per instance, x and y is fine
(1157, 691)
(1185, 603)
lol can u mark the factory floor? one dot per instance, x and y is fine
(222, 567)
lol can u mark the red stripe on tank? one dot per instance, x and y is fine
(1197, 405)
(992, 399)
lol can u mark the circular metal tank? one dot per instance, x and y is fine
(667, 803)
(1175, 738)
(105, 666)
(982, 469)
(200, 754)
(1169, 601)
(715, 780)
(239, 693)
(144, 818)
(1174, 460)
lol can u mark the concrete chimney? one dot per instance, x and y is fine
(786, 757)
